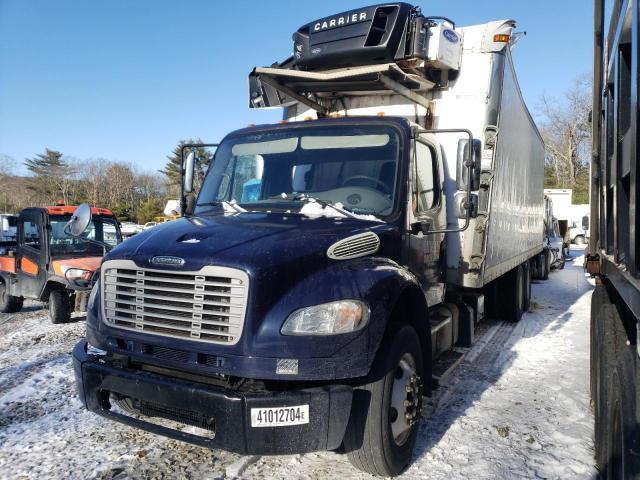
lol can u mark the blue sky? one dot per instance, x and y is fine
(125, 80)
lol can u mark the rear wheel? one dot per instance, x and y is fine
(622, 432)
(527, 266)
(579, 240)
(59, 306)
(385, 414)
(513, 284)
(546, 264)
(9, 303)
(611, 338)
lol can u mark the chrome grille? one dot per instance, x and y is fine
(207, 306)
(354, 246)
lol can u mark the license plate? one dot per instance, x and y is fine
(280, 416)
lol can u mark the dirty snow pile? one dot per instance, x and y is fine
(517, 407)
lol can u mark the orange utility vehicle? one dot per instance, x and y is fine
(47, 263)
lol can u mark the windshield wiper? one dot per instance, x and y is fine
(227, 206)
(301, 197)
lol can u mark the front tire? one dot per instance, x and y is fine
(9, 303)
(579, 240)
(59, 306)
(385, 413)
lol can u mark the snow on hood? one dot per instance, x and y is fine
(315, 210)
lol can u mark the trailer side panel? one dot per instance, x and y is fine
(515, 230)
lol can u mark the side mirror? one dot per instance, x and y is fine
(462, 170)
(80, 220)
(188, 168)
(460, 205)
(585, 222)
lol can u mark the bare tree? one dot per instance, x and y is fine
(7, 167)
(566, 131)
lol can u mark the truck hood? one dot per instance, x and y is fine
(250, 241)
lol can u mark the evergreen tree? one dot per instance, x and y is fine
(172, 170)
(51, 175)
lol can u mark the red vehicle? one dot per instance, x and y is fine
(48, 264)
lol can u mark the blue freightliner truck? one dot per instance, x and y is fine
(332, 267)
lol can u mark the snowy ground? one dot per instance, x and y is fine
(517, 407)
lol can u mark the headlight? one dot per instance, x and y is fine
(77, 274)
(332, 318)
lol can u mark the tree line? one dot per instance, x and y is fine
(132, 194)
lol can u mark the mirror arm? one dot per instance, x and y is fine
(104, 245)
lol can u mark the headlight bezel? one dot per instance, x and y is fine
(299, 322)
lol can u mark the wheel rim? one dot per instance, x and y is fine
(405, 399)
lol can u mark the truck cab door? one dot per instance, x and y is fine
(423, 253)
(31, 254)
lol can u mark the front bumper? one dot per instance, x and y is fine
(224, 413)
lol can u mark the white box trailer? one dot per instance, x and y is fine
(479, 93)
(562, 202)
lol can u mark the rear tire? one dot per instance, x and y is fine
(527, 266)
(579, 240)
(546, 264)
(622, 431)
(611, 339)
(59, 306)
(513, 284)
(385, 414)
(9, 303)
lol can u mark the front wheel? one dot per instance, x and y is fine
(579, 240)
(385, 413)
(59, 306)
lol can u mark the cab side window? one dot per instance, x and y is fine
(427, 185)
(31, 234)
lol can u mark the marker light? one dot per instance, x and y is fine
(501, 37)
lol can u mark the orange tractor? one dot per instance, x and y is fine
(55, 256)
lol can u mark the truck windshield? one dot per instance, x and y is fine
(102, 229)
(355, 166)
